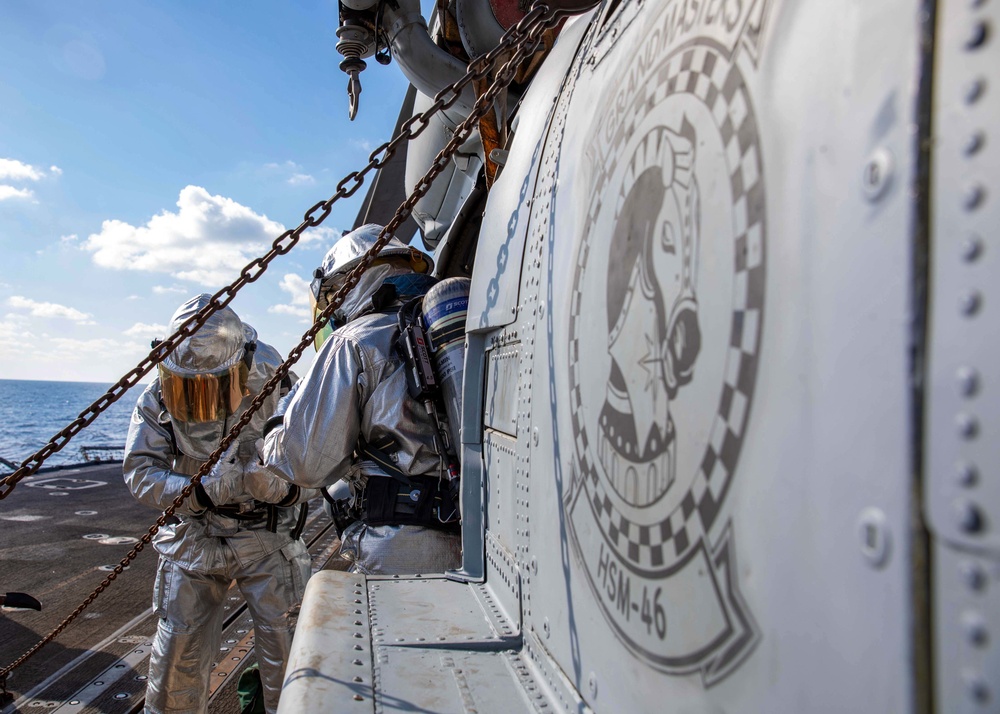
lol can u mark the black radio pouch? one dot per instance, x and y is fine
(388, 501)
(401, 500)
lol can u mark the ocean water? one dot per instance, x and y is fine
(32, 412)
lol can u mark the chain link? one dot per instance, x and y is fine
(521, 39)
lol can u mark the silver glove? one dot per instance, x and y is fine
(224, 483)
(263, 485)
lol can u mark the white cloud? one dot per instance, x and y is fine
(169, 289)
(208, 240)
(286, 166)
(49, 309)
(300, 305)
(14, 170)
(74, 358)
(295, 175)
(15, 338)
(98, 346)
(363, 144)
(141, 329)
(289, 310)
(323, 236)
(71, 238)
(9, 192)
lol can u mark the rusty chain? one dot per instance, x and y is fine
(412, 128)
(522, 39)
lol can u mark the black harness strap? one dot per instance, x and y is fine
(401, 500)
(236, 512)
(301, 523)
(384, 461)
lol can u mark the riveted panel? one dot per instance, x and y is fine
(499, 462)
(496, 274)
(408, 611)
(964, 360)
(433, 645)
(448, 681)
(443, 646)
(962, 491)
(503, 582)
(966, 630)
(331, 658)
(500, 407)
(542, 537)
(561, 693)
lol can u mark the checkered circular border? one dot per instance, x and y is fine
(702, 72)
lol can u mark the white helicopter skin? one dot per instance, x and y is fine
(727, 424)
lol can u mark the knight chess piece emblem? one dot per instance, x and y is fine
(667, 312)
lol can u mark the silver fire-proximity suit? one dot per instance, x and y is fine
(356, 393)
(221, 532)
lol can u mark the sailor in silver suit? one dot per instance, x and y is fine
(238, 524)
(352, 417)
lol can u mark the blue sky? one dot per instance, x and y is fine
(148, 151)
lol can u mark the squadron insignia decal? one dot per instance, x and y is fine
(666, 312)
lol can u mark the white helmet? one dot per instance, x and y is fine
(205, 377)
(346, 253)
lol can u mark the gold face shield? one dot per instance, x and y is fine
(319, 297)
(198, 398)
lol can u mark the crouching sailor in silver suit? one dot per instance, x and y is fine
(241, 523)
(352, 417)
